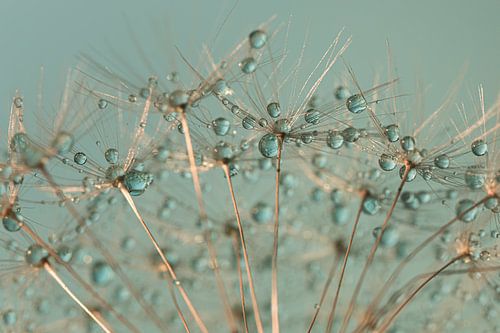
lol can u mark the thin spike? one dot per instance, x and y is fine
(204, 219)
(67, 290)
(331, 274)
(167, 264)
(255, 305)
(236, 248)
(386, 324)
(274, 259)
(344, 264)
(373, 250)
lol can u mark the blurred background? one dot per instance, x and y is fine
(436, 43)
(430, 41)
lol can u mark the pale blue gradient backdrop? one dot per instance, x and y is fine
(430, 40)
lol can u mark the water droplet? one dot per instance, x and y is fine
(442, 161)
(65, 253)
(424, 197)
(306, 138)
(11, 224)
(475, 177)
(371, 205)
(269, 145)
(80, 158)
(144, 93)
(9, 318)
(63, 142)
(411, 174)
(386, 162)
(262, 212)
(173, 76)
(312, 116)
(334, 140)
(221, 88)
(464, 211)
(35, 254)
(479, 147)
(248, 65)
(491, 203)
(350, 134)
(102, 104)
(341, 93)
(273, 109)
(18, 102)
(319, 161)
(235, 109)
(340, 214)
(136, 182)
(249, 122)
(258, 39)
(282, 126)
(389, 238)
(392, 132)
(111, 156)
(178, 98)
(19, 142)
(356, 103)
(408, 143)
(223, 151)
(102, 274)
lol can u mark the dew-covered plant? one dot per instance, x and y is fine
(246, 194)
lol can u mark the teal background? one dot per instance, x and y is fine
(430, 40)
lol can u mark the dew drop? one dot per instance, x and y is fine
(464, 211)
(80, 158)
(273, 109)
(442, 161)
(386, 162)
(257, 39)
(479, 147)
(102, 104)
(248, 65)
(356, 103)
(269, 145)
(111, 156)
(18, 102)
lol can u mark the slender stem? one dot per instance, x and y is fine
(344, 264)
(255, 305)
(324, 292)
(74, 274)
(274, 260)
(412, 254)
(388, 322)
(167, 264)
(373, 250)
(204, 219)
(474, 270)
(236, 248)
(109, 258)
(116, 267)
(60, 282)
